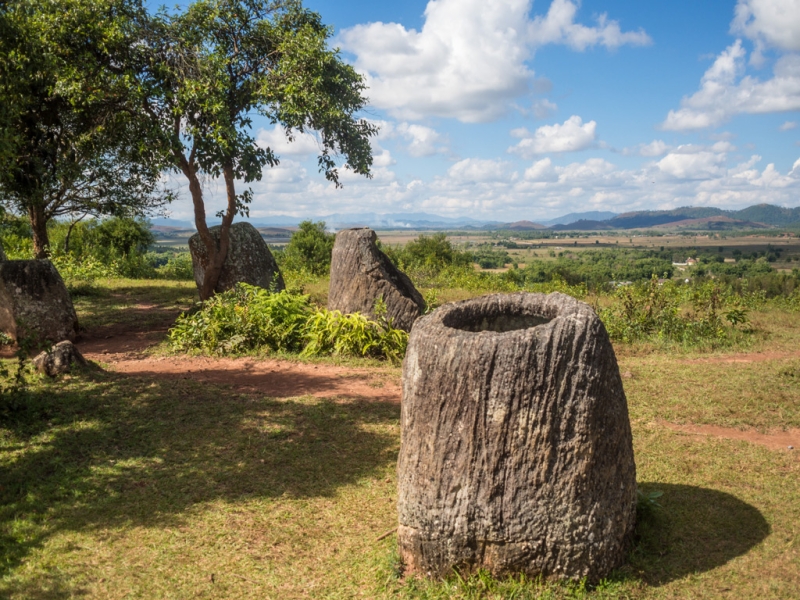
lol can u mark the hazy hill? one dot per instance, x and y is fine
(524, 225)
(584, 225)
(594, 215)
(769, 215)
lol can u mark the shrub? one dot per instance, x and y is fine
(249, 318)
(309, 249)
(666, 312)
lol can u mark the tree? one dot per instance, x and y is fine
(220, 62)
(310, 248)
(73, 141)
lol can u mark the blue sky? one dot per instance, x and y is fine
(512, 109)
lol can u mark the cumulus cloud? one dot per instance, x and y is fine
(726, 91)
(571, 136)
(559, 27)
(419, 139)
(774, 23)
(654, 148)
(697, 165)
(788, 126)
(476, 170)
(422, 141)
(469, 59)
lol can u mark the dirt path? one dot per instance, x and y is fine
(774, 440)
(271, 377)
(744, 357)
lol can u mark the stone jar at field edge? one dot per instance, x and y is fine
(516, 450)
(361, 274)
(249, 259)
(35, 303)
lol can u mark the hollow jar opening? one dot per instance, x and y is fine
(500, 321)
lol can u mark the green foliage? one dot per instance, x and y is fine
(309, 249)
(597, 269)
(243, 319)
(248, 318)
(430, 253)
(489, 257)
(657, 311)
(332, 333)
(115, 247)
(77, 144)
(16, 237)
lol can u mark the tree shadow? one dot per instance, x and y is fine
(101, 450)
(695, 530)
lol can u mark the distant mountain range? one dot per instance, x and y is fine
(708, 218)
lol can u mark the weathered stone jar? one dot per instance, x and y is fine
(248, 260)
(516, 451)
(361, 273)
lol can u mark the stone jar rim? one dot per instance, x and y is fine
(502, 315)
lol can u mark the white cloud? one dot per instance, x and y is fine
(559, 27)
(423, 141)
(788, 126)
(725, 91)
(773, 23)
(474, 170)
(541, 171)
(304, 144)
(571, 136)
(654, 148)
(469, 59)
(491, 189)
(697, 165)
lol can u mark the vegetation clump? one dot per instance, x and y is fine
(249, 318)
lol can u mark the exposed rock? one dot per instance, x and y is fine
(361, 273)
(35, 303)
(59, 360)
(249, 259)
(516, 451)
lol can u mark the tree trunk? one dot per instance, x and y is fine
(41, 241)
(516, 452)
(214, 253)
(69, 232)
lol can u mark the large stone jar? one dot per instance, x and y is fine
(516, 451)
(248, 260)
(35, 303)
(361, 274)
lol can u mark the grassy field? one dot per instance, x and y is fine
(121, 486)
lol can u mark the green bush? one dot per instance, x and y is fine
(665, 312)
(309, 250)
(249, 318)
(429, 253)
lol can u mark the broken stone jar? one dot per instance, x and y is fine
(516, 453)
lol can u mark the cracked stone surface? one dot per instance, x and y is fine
(249, 259)
(35, 302)
(361, 273)
(516, 452)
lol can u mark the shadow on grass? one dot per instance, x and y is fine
(132, 306)
(102, 450)
(696, 530)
